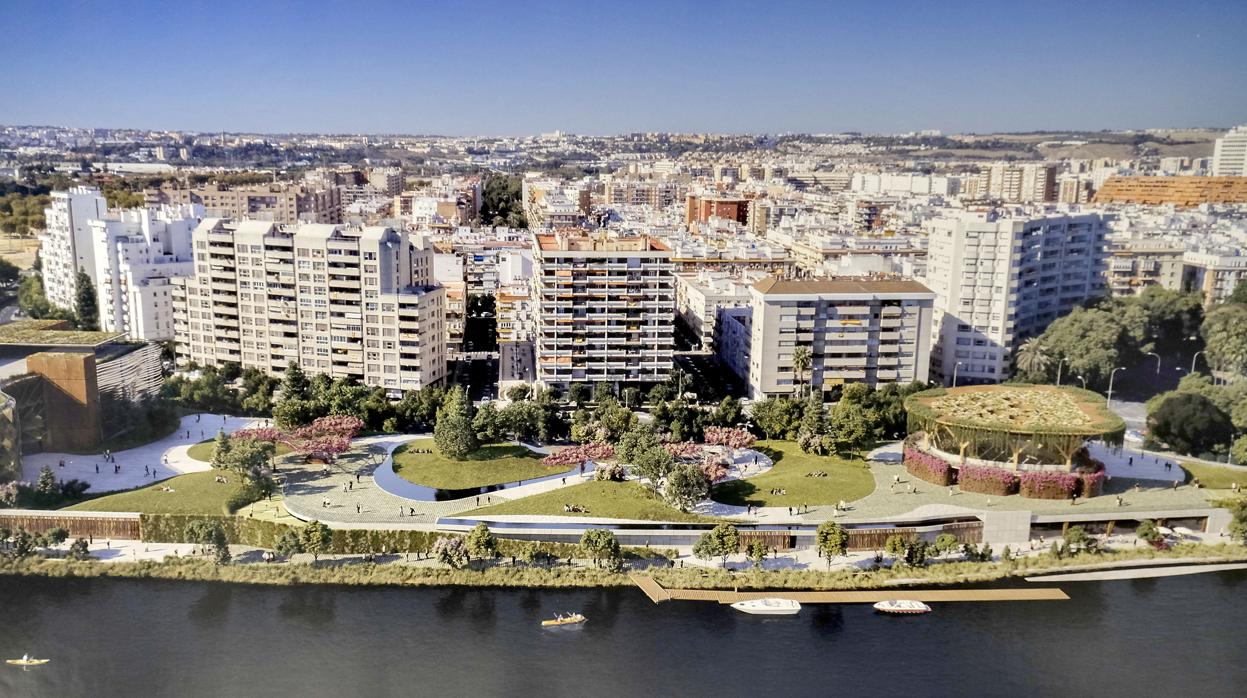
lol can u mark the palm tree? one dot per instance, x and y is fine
(801, 360)
(1032, 357)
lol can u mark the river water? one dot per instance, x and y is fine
(1178, 636)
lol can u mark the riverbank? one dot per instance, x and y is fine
(341, 572)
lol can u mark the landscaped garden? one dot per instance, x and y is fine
(802, 478)
(1215, 477)
(491, 464)
(596, 499)
(203, 450)
(193, 493)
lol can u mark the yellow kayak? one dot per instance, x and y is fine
(564, 620)
(27, 661)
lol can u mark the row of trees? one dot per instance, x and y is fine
(22, 543)
(33, 301)
(45, 493)
(861, 415)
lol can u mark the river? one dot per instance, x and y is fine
(1154, 637)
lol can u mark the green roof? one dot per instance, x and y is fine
(50, 333)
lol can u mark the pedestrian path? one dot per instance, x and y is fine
(1136, 464)
(162, 459)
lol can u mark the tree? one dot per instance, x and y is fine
(9, 272)
(1225, 337)
(487, 424)
(720, 541)
(316, 538)
(686, 486)
(831, 540)
(802, 359)
(80, 550)
(601, 546)
(294, 383)
(1148, 532)
(1076, 539)
(1032, 358)
(653, 464)
(757, 553)
(31, 297)
(894, 546)
(1093, 342)
(728, 413)
(636, 441)
(1189, 423)
(23, 544)
(55, 537)
(451, 551)
(660, 393)
(1240, 293)
(613, 419)
(945, 543)
(86, 302)
(916, 553)
(777, 417)
(516, 393)
(578, 394)
(1238, 452)
(289, 544)
(811, 435)
(481, 542)
(454, 434)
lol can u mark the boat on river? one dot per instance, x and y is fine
(26, 661)
(768, 607)
(561, 619)
(902, 607)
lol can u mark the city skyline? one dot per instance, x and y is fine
(677, 67)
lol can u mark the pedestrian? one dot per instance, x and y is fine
(197, 418)
(356, 477)
(146, 471)
(790, 511)
(153, 473)
(356, 508)
(351, 486)
(1175, 484)
(1131, 461)
(411, 511)
(400, 511)
(478, 500)
(97, 468)
(564, 481)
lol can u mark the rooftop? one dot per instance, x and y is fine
(777, 286)
(52, 333)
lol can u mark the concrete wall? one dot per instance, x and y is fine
(71, 399)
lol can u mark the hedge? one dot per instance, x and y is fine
(925, 466)
(986, 480)
(1047, 484)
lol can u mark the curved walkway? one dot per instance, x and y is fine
(167, 457)
(393, 483)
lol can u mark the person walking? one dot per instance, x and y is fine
(97, 468)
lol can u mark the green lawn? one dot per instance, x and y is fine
(846, 480)
(203, 450)
(1213, 477)
(194, 493)
(489, 465)
(602, 499)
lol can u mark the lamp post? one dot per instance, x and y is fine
(1084, 381)
(1193, 358)
(1111, 375)
(957, 366)
(1059, 365)
(1152, 353)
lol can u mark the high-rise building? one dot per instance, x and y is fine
(278, 202)
(998, 281)
(607, 303)
(347, 302)
(870, 331)
(1018, 183)
(1229, 155)
(67, 244)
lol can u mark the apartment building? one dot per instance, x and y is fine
(652, 193)
(1137, 264)
(450, 273)
(347, 302)
(278, 202)
(554, 204)
(1214, 273)
(698, 299)
(1015, 183)
(1229, 154)
(607, 303)
(999, 280)
(67, 243)
(866, 331)
(138, 255)
(700, 208)
(1182, 192)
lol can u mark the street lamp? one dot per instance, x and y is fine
(1193, 358)
(1111, 375)
(1084, 381)
(1059, 366)
(1152, 353)
(959, 365)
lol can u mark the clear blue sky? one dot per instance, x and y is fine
(496, 67)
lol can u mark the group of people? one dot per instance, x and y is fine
(778, 491)
(817, 473)
(575, 509)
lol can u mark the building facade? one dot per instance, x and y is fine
(606, 302)
(67, 244)
(347, 302)
(871, 332)
(1229, 154)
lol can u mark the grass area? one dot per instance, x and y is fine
(602, 499)
(203, 450)
(846, 480)
(132, 439)
(1215, 477)
(193, 493)
(489, 465)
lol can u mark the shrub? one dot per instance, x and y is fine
(1048, 484)
(1091, 484)
(986, 480)
(925, 466)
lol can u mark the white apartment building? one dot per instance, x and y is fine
(138, 254)
(1229, 155)
(1000, 280)
(698, 298)
(347, 302)
(607, 303)
(1214, 273)
(67, 244)
(870, 331)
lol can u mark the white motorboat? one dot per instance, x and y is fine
(902, 606)
(768, 607)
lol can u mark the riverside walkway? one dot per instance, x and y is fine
(658, 594)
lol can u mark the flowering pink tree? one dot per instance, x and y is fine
(576, 455)
(731, 437)
(714, 469)
(683, 449)
(270, 434)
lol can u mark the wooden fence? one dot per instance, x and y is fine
(87, 524)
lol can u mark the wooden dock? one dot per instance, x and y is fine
(658, 594)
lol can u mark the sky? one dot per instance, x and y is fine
(503, 68)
